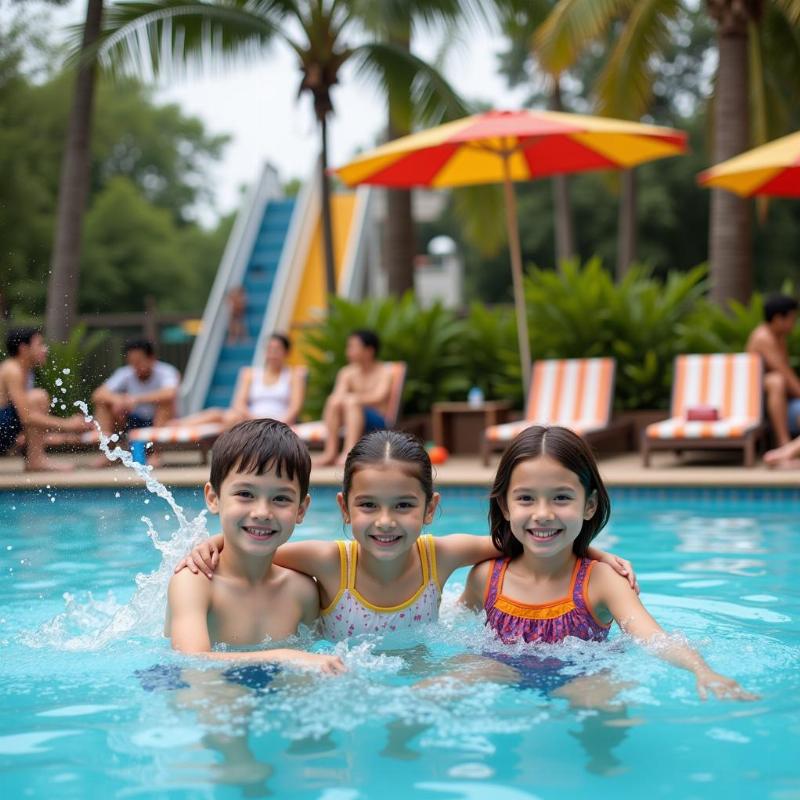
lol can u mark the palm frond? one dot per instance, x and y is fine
(171, 36)
(432, 99)
(791, 8)
(571, 26)
(625, 86)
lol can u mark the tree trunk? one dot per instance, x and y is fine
(626, 223)
(730, 233)
(325, 209)
(399, 241)
(563, 224)
(62, 288)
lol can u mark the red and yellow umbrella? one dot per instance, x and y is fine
(508, 146)
(772, 169)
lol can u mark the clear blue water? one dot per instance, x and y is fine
(76, 721)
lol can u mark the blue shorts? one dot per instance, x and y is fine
(536, 672)
(135, 421)
(168, 677)
(10, 427)
(794, 416)
(373, 421)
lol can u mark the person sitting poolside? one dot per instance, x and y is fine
(25, 409)
(781, 382)
(139, 395)
(275, 391)
(360, 397)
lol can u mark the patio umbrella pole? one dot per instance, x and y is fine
(516, 275)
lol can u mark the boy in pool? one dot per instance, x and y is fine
(259, 487)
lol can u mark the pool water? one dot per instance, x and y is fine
(80, 715)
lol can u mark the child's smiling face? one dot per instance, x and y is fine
(386, 508)
(546, 506)
(258, 513)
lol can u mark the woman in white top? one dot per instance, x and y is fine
(275, 390)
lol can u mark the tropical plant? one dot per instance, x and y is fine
(162, 34)
(62, 290)
(579, 312)
(427, 339)
(747, 67)
(64, 376)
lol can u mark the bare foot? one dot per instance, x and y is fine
(47, 465)
(787, 463)
(324, 460)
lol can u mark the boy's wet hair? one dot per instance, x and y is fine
(145, 345)
(378, 447)
(256, 446)
(778, 305)
(369, 339)
(19, 336)
(569, 450)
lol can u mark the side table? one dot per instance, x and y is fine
(459, 426)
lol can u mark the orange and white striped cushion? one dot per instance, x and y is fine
(315, 432)
(176, 434)
(729, 382)
(574, 392)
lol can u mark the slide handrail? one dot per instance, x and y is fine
(232, 268)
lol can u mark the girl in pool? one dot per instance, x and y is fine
(390, 576)
(547, 504)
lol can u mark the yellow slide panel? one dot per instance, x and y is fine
(309, 305)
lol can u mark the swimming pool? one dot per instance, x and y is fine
(76, 720)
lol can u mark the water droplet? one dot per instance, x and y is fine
(52, 499)
(146, 500)
(166, 516)
(116, 494)
(9, 547)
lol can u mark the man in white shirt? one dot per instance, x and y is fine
(138, 395)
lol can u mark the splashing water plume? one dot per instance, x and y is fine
(95, 623)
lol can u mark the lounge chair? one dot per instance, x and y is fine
(575, 392)
(716, 404)
(199, 437)
(315, 433)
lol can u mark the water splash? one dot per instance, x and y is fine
(91, 623)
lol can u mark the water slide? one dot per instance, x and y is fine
(275, 252)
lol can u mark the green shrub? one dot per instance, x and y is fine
(64, 375)
(579, 312)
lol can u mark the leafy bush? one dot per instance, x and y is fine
(579, 312)
(64, 375)
(426, 339)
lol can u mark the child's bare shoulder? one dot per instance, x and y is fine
(296, 583)
(189, 591)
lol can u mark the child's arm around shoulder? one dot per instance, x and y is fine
(461, 550)
(475, 589)
(188, 600)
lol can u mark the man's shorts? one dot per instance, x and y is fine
(10, 427)
(135, 421)
(373, 421)
(794, 416)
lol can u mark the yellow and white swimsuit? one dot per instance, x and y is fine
(350, 614)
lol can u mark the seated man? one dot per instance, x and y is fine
(24, 409)
(360, 396)
(138, 395)
(781, 383)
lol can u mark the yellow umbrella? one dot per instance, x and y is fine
(507, 146)
(771, 169)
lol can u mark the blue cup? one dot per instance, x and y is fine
(138, 452)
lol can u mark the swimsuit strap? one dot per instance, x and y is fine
(579, 581)
(423, 558)
(494, 582)
(430, 546)
(351, 554)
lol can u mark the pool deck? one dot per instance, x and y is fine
(183, 469)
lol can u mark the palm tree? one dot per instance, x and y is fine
(158, 34)
(396, 21)
(645, 31)
(73, 188)
(519, 21)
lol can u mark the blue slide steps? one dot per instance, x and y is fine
(257, 282)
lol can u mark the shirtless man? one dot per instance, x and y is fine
(360, 397)
(24, 409)
(781, 383)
